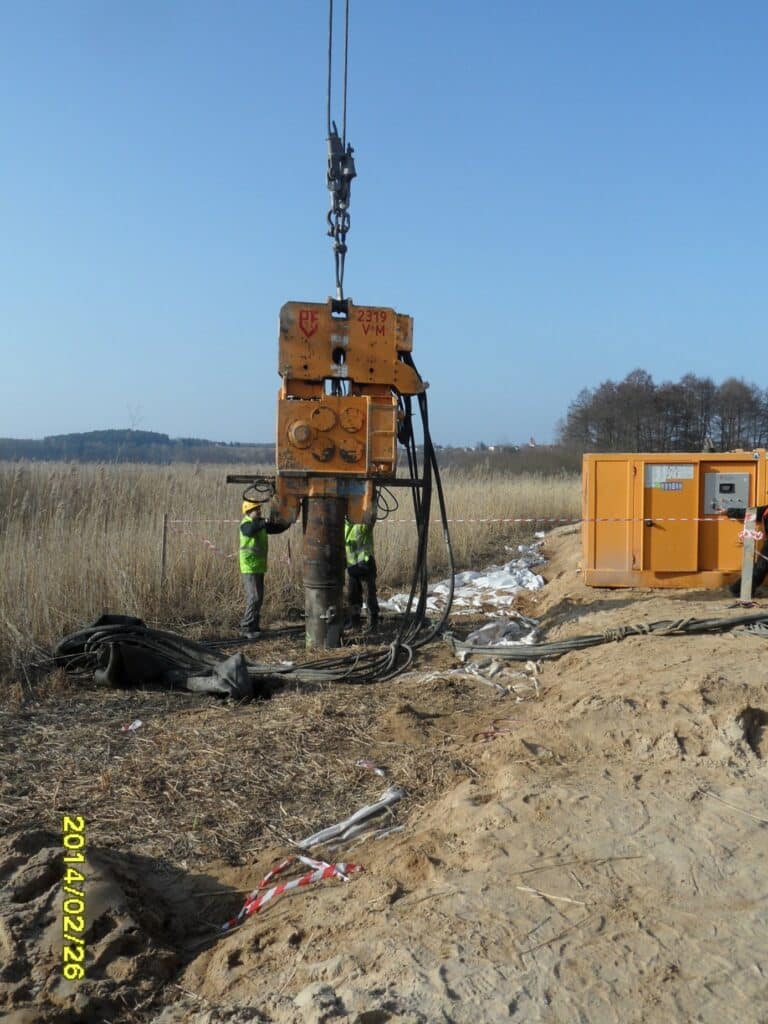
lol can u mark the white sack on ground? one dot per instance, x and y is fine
(492, 590)
(505, 633)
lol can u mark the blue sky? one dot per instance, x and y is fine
(557, 192)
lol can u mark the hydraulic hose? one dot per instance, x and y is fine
(665, 627)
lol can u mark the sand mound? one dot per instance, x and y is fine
(131, 923)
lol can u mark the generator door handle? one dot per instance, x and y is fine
(649, 522)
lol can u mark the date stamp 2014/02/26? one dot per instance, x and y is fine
(73, 897)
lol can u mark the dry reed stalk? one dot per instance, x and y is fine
(80, 540)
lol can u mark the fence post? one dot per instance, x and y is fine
(748, 554)
(163, 550)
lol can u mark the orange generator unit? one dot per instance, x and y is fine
(659, 520)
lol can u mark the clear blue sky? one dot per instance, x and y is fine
(557, 192)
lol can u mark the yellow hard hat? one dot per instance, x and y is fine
(248, 506)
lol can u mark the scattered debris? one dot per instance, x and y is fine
(356, 824)
(549, 896)
(505, 632)
(135, 724)
(365, 762)
(499, 675)
(741, 810)
(492, 732)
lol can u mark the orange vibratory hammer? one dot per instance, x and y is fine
(337, 415)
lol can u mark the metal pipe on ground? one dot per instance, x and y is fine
(324, 571)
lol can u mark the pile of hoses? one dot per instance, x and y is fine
(756, 623)
(120, 651)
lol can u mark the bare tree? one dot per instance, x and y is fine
(688, 415)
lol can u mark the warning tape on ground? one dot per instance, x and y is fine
(320, 871)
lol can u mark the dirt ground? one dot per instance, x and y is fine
(597, 856)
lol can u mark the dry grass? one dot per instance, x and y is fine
(203, 779)
(79, 540)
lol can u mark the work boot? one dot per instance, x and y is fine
(253, 632)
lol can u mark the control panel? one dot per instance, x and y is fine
(722, 491)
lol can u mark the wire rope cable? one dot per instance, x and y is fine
(330, 66)
(341, 163)
(346, 73)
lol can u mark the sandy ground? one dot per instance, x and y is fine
(600, 857)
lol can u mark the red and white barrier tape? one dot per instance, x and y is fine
(259, 898)
(208, 543)
(562, 520)
(370, 766)
(203, 540)
(538, 518)
(200, 522)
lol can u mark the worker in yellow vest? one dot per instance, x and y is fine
(253, 564)
(361, 569)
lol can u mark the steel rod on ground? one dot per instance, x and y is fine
(748, 555)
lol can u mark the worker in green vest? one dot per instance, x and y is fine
(253, 564)
(361, 569)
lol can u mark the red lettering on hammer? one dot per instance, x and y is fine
(308, 322)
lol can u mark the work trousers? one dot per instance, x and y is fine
(362, 573)
(253, 584)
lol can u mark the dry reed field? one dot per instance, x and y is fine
(77, 540)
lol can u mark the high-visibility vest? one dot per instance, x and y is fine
(358, 542)
(253, 550)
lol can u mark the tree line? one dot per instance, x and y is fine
(692, 414)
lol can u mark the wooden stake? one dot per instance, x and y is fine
(164, 548)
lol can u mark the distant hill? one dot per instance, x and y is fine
(160, 449)
(133, 446)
